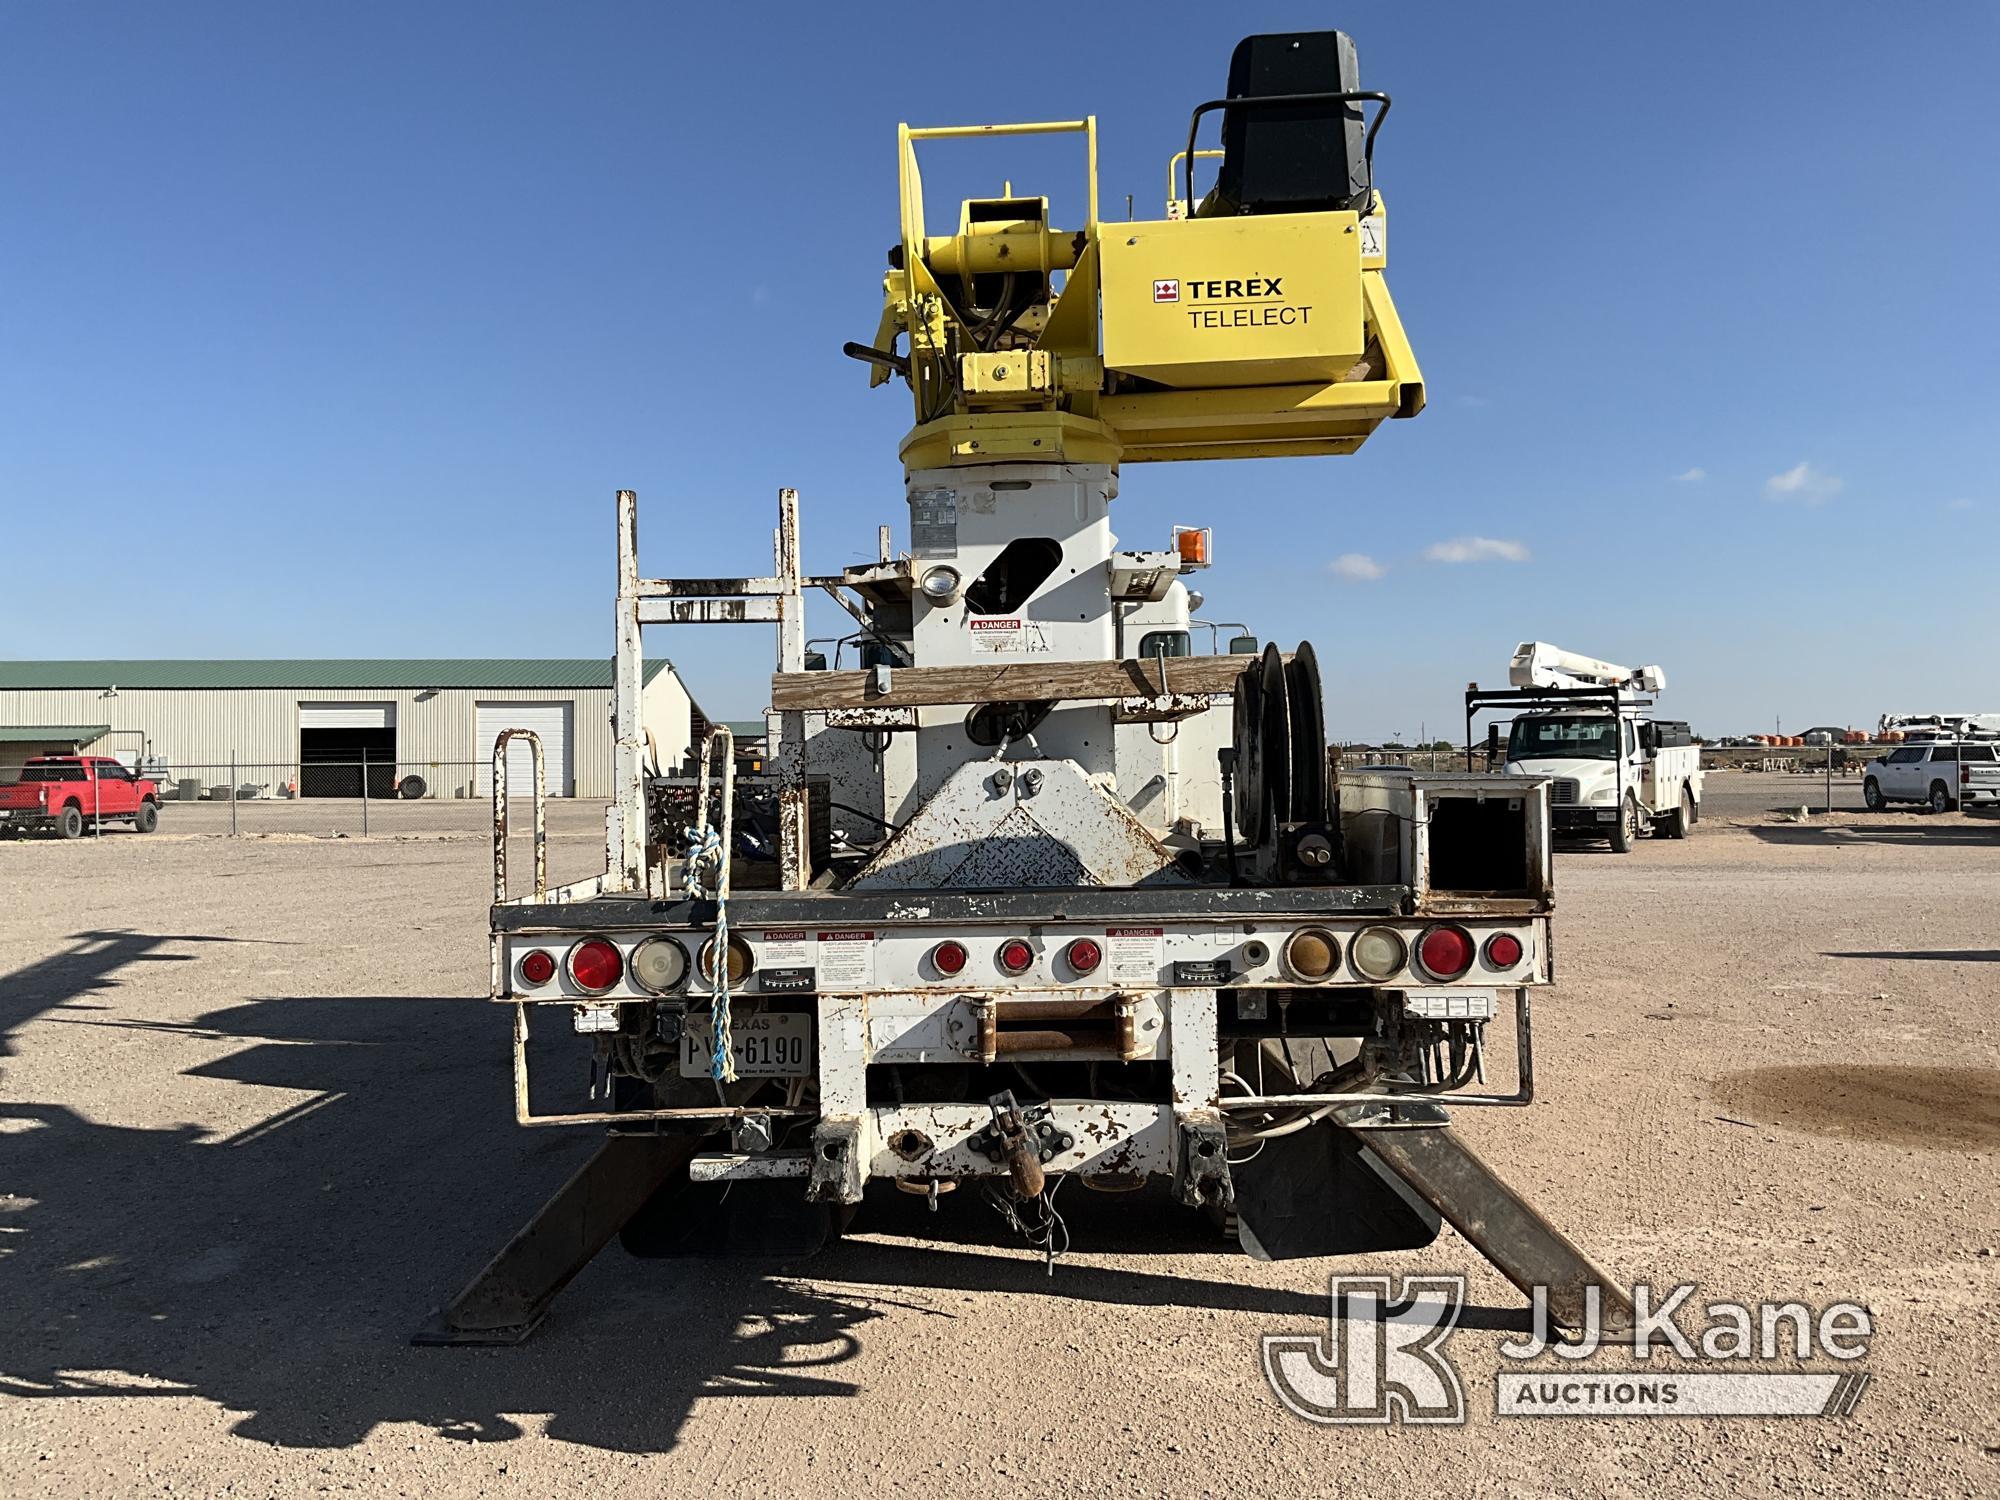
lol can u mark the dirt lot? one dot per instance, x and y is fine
(256, 1126)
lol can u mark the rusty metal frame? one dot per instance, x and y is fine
(505, 738)
(778, 598)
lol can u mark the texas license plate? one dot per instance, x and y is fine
(778, 1045)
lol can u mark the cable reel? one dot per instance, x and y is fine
(1283, 801)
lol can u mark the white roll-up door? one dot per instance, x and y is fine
(549, 721)
(347, 716)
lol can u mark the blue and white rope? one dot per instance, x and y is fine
(705, 881)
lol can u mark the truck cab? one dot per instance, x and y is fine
(1609, 770)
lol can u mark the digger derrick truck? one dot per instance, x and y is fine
(1052, 896)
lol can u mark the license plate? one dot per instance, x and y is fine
(767, 1046)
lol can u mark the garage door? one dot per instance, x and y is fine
(347, 716)
(549, 721)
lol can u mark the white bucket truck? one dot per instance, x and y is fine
(1586, 726)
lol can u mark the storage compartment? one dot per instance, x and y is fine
(1479, 845)
(1461, 841)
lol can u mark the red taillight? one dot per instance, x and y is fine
(1015, 956)
(1084, 955)
(538, 967)
(595, 965)
(1445, 952)
(948, 958)
(1503, 951)
(1965, 776)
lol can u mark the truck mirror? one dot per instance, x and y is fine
(1243, 645)
(1649, 736)
(1492, 745)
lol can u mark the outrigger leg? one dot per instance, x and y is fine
(507, 1300)
(1522, 1245)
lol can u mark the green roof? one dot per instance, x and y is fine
(51, 734)
(746, 729)
(335, 672)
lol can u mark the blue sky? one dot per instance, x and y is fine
(331, 330)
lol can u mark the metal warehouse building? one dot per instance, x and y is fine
(308, 728)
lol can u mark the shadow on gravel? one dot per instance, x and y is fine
(278, 1272)
(88, 967)
(1932, 955)
(1926, 835)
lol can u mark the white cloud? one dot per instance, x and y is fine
(1465, 549)
(1802, 484)
(1692, 476)
(1356, 567)
(1958, 504)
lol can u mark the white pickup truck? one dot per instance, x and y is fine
(1942, 773)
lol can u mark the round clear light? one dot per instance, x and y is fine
(1377, 952)
(940, 584)
(659, 964)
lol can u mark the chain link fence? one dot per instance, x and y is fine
(350, 795)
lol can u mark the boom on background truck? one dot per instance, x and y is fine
(1049, 896)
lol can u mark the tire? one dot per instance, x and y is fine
(1683, 819)
(1941, 799)
(69, 822)
(1871, 793)
(1625, 832)
(146, 819)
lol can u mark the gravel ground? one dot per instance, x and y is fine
(255, 1127)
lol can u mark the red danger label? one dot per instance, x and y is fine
(1135, 932)
(846, 937)
(1167, 291)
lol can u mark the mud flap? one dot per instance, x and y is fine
(1321, 1191)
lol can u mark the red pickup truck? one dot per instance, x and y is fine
(68, 794)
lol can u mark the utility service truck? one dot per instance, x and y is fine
(1035, 892)
(1586, 727)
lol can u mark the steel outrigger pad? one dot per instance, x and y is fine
(507, 1300)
